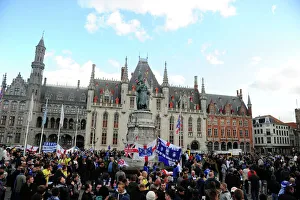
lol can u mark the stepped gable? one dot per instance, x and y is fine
(147, 74)
(111, 88)
(71, 94)
(189, 95)
(17, 82)
(221, 101)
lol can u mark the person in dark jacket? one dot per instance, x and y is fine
(274, 187)
(133, 188)
(288, 194)
(121, 193)
(28, 189)
(87, 195)
(63, 189)
(254, 180)
(39, 195)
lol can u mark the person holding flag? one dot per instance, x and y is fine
(29, 119)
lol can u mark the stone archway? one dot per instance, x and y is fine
(80, 141)
(37, 139)
(195, 145)
(66, 141)
(52, 138)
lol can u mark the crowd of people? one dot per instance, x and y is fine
(97, 175)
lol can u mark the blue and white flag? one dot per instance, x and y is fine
(167, 152)
(45, 114)
(145, 151)
(49, 147)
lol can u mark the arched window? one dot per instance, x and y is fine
(82, 124)
(116, 120)
(216, 146)
(190, 127)
(83, 97)
(57, 123)
(22, 106)
(39, 122)
(14, 105)
(71, 97)
(5, 105)
(65, 123)
(116, 128)
(181, 133)
(52, 123)
(210, 146)
(199, 132)
(105, 118)
(158, 125)
(59, 96)
(171, 130)
(104, 128)
(247, 147)
(242, 146)
(71, 123)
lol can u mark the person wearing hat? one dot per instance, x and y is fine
(151, 195)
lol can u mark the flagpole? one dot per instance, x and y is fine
(60, 125)
(43, 126)
(29, 119)
(26, 136)
(76, 126)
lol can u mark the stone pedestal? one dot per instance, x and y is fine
(141, 130)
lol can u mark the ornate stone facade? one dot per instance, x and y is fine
(15, 105)
(106, 106)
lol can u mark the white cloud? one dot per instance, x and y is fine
(173, 79)
(189, 41)
(49, 53)
(255, 60)
(212, 59)
(114, 63)
(282, 78)
(205, 47)
(68, 71)
(117, 22)
(273, 9)
(66, 51)
(177, 14)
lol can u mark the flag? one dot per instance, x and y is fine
(167, 152)
(122, 163)
(60, 151)
(130, 150)
(145, 152)
(31, 148)
(45, 114)
(178, 125)
(62, 116)
(30, 109)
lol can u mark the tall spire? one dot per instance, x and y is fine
(125, 72)
(203, 87)
(41, 42)
(196, 82)
(92, 80)
(165, 79)
(249, 101)
(3, 85)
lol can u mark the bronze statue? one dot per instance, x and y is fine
(142, 98)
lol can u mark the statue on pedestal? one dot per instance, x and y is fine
(142, 98)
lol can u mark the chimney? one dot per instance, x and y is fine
(45, 81)
(196, 82)
(78, 84)
(237, 93)
(241, 94)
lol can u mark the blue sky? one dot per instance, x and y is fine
(252, 45)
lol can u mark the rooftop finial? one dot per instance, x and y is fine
(249, 101)
(124, 77)
(92, 80)
(43, 34)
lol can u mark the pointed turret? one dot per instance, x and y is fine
(92, 80)
(165, 79)
(249, 101)
(196, 82)
(202, 87)
(3, 85)
(249, 106)
(41, 42)
(124, 77)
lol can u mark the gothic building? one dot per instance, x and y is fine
(104, 107)
(15, 106)
(110, 103)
